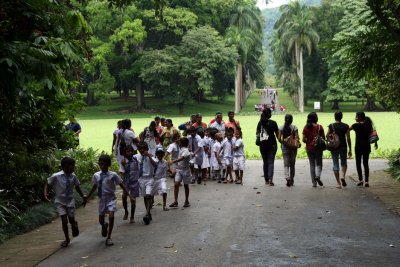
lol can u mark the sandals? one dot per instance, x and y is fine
(360, 183)
(109, 242)
(165, 209)
(174, 205)
(238, 182)
(343, 181)
(186, 205)
(65, 243)
(75, 229)
(319, 181)
(104, 229)
(225, 181)
(366, 184)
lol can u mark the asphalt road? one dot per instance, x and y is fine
(252, 225)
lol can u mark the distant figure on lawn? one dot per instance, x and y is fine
(74, 126)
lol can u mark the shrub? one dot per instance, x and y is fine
(394, 164)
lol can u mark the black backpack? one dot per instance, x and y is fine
(122, 145)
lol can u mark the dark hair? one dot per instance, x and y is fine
(143, 145)
(162, 119)
(191, 130)
(169, 121)
(67, 161)
(368, 124)
(152, 123)
(338, 115)
(157, 118)
(231, 112)
(312, 117)
(230, 130)
(126, 124)
(286, 131)
(184, 141)
(265, 116)
(105, 158)
(128, 148)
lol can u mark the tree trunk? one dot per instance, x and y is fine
(335, 104)
(370, 104)
(301, 95)
(180, 107)
(90, 98)
(238, 86)
(139, 95)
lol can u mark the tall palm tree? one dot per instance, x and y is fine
(245, 32)
(296, 31)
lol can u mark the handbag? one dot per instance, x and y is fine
(318, 141)
(291, 142)
(333, 141)
(263, 135)
(373, 136)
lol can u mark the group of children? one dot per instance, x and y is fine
(201, 154)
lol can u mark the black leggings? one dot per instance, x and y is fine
(365, 157)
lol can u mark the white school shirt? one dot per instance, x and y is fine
(58, 182)
(185, 163)
(195, 143)
(219, 127)
(148, 169)
(160, 169)
(110, 181)
(129, 136)
(215, 149)
(131, 174)
(227, 148)
(173, 150)
(240, 151)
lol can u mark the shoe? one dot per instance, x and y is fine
(104, 229)
(319, 181)
(131, 221)
(219, 181)
(366, 184)
(109, 242)
(238, 182)
(146, 220)
(360, 183)
(287, 182)
(314, 185)
(198, 181)
(291, 182)
(343, 181)
(75, 229)
(174, 205)
(271, 183)
(186, 205)
(125, 216)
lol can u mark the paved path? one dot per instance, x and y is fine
(249, 225)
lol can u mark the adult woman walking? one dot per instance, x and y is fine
(363, 128)
(311, 133)
(168, 132)
(267, 130)
(289, 138)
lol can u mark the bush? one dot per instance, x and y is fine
(394, 164)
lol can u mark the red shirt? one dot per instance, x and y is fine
(233, 125)
(203, 125)
(311, 133)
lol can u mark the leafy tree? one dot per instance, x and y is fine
(296, 30)
(179, 73)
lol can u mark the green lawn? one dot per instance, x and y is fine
(98, 123)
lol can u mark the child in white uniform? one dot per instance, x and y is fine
(160, 174)
(238, 157)
(173, 153)
(226, 154)
(197, 150)
(215, 161)
(182, 172)
(63, 183)
(105, 181)
(146, 178)
(131, 181)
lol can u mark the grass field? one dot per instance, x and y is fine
(98, 123)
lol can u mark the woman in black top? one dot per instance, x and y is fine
(363, 128)
(268, 131)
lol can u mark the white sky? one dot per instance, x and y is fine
(273, 3)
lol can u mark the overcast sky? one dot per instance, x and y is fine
(273, 3)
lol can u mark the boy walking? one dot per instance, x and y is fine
(131, 181)
(160, 174)
(63, 183)
(238, 157)
(182, 172)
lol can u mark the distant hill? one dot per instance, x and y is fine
(271, 15)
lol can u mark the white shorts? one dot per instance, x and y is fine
(238, 163)
(183, 175)
(172, 167)
(159, 187)
(145, 187)
(107, 204)
(226, 162)
(65, 210)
